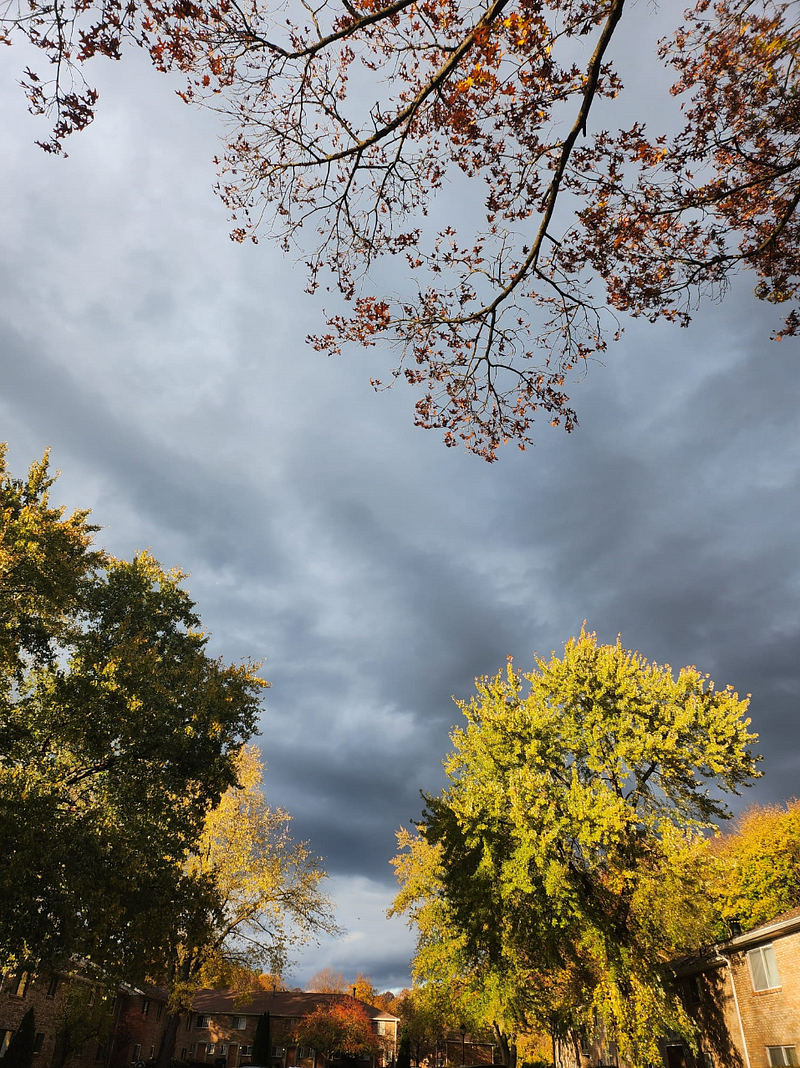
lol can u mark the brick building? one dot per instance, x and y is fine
(745, 996)
(81, 1023)
(222, 1026)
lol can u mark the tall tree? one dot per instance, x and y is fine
(20, 1049)
(262, 1041)
(119, 732)
(265, 897)
(580, 223)
(568, 843)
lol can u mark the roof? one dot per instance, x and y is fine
(292, 1003)
(712, 956)
(792, 914)
(784, 924)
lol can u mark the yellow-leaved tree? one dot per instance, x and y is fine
(263, 896)
(757, 875)
(563, 865)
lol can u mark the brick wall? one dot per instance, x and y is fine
(130, 1019)
(770, 1017)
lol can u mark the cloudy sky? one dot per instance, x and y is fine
(374, 571)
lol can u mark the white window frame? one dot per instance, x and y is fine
(787, 1054)
(239, 1023)
(761, 961)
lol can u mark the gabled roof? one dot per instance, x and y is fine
(291, 1003)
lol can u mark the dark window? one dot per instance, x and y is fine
(780, 1055)
(159, 1011)
(53, 987)
(38, 1042)
(145, 1007)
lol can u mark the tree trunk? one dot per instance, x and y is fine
(166, 1051)
(508, 1047)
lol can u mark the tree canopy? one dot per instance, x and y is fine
(267, 885)
(574, 224)
(757, 871)
(564, 863)
(119, 733)
(339, 1027)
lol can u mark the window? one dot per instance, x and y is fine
(210, 1048)
(146, 1007)
(53, 987)
(203, 1021)
(782, 1055)
(763, 969)
(137, 1052)
(239, 1023)
(222, 1049)
(20, 987)
(381, 1027)
(247, 1051)
(38, 1042)
(693, 986)
(159, 1011)
(188, 1021)
(183, 1053)
(152, 1052)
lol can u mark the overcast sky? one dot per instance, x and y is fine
(374, 571)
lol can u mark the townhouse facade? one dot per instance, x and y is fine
(80, 1023)
(220, 1030)
(745, 997)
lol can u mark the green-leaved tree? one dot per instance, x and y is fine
(118, 733)
(566, 853)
